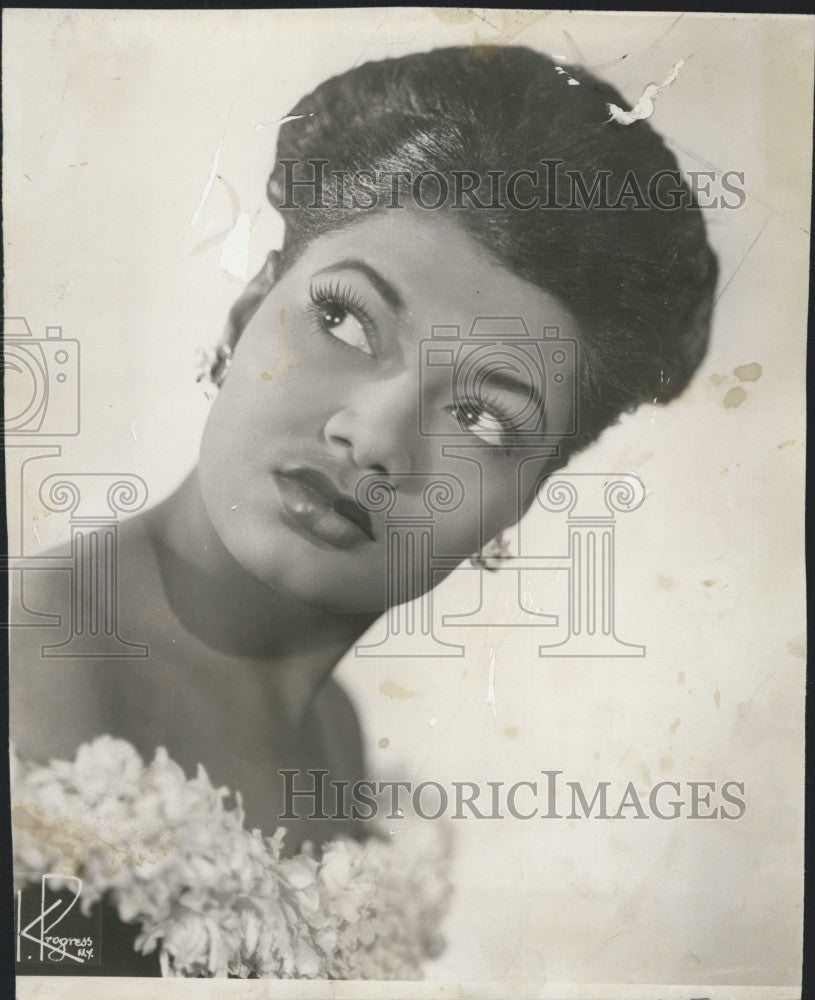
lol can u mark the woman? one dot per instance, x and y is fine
(266, 565)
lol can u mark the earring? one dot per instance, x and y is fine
(213, 365)
(492, 554)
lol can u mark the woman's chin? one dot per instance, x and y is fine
(332, 580)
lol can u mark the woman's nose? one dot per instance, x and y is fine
(375, 427)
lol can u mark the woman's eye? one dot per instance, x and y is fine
(480, 421)
(339, 311)
(338, 321)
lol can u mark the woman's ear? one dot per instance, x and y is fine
(250, 298)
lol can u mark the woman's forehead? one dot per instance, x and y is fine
(436, 267)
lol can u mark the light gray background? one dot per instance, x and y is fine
(111, 123)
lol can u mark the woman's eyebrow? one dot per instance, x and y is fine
(381, 284)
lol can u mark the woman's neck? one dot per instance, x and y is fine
(227, 608)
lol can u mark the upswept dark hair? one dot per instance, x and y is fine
(639, 280)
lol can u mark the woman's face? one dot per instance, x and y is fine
(340, 374)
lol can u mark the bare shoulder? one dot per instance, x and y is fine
(337, 717)
(53, 705)
(56, 701)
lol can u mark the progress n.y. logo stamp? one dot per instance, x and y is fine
(50, 927)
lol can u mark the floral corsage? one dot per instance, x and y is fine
(217, 899)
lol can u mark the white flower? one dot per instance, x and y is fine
(107, 767)
(187, 940)
(335, 870)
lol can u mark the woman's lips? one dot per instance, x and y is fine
(315, 507)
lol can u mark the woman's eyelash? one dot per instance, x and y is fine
(494, 406)
(343, 298)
